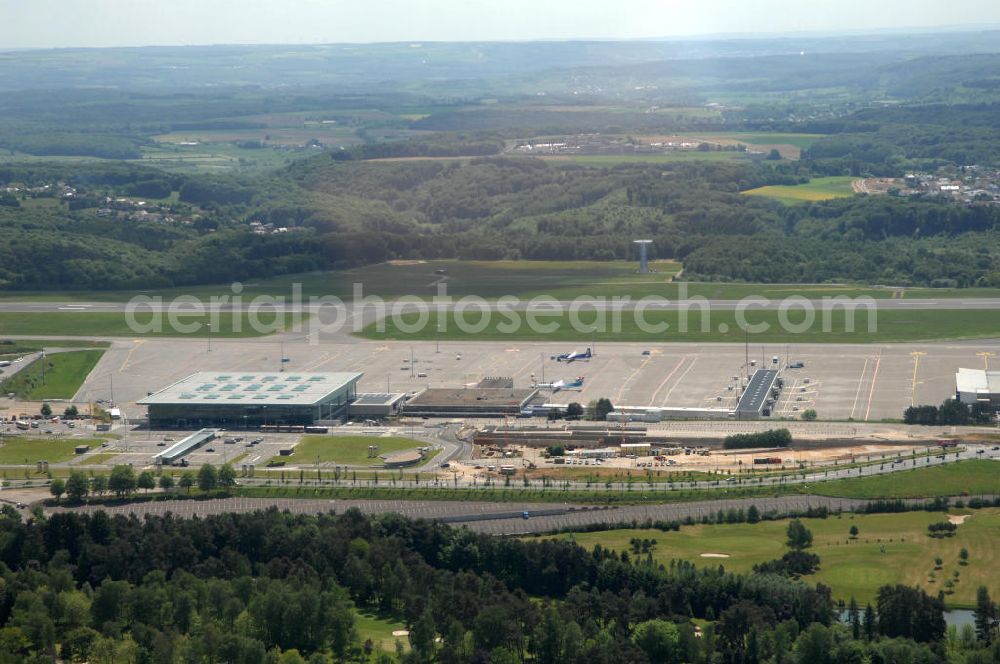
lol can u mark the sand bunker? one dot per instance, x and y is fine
(958, 519)
(401, 632)
(715, 555)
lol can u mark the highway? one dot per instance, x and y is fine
(486, 517)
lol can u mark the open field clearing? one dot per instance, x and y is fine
(380, 631)
(756, 138)
(892, 326)
(817, 189)
(348, 450)
(659, 158)
(218, 157)
(968, 477)
(271, 136)
(17, 450)
(853, 568)
(55, 376)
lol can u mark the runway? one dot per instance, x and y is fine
(283, 305)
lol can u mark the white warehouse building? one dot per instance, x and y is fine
(974, 386)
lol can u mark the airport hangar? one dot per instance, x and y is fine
(244, 400)
(978, 386)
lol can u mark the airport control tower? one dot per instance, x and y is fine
(643, 255)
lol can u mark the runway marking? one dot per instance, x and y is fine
(878, 362)
(913, 383)
(679, 379)
(606, 365)
(642, 365)
(128, 356)
(527, 366)
(861, 382)
(677, 366)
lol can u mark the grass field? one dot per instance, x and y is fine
(953, 479)
(392, 280)
(218, 157)
(379, 630)
(10, 349)
(851, 567)
(348, 450)
(100, 458)
(492, 279)
(55, 376)
(22, 450)
(659, 158)
(760, 137)
(108, 324)
(817, 189)
(893, 325)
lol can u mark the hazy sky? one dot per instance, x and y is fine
(56, 23)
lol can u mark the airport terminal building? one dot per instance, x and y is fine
(759, 396)
(249, 400)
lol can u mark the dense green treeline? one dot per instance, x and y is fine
(59, 251)
(272, 587)
(891, 140)
(357, 212)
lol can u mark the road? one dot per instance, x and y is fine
(721, 485)
(490, 518)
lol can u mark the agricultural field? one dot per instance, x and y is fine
(817, 189)
(109, 324)
(218, 157)
(55, 376)
(851, 567)
(760, 138)
(17, 450)
(893, 325)
(347, 450)
(661, 158)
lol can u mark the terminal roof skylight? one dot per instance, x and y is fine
(262, 388)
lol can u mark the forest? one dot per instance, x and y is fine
(351, 212)
(394, 161)
(273, 587)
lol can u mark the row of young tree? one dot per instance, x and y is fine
(123, 482)
(272, 587)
